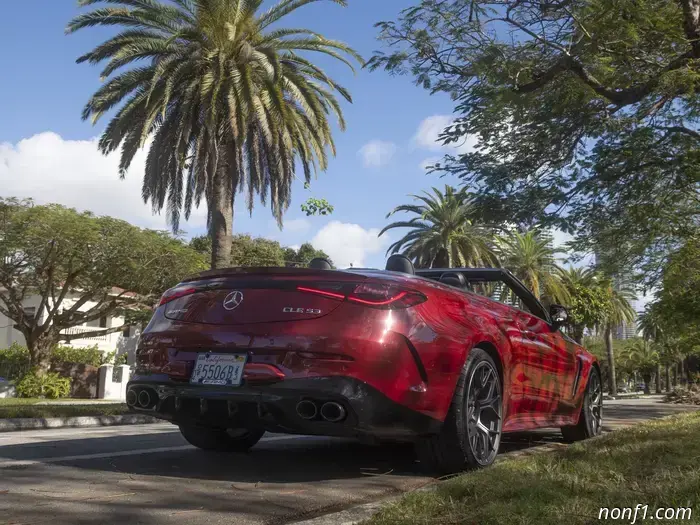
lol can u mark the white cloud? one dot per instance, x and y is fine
(74, 173)
(296, 225)
(429, 131)
(348, 243)
(377, 153)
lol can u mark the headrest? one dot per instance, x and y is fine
(453, 279)
(400, 263)
(319, 263)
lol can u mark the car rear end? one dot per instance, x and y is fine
(286, 350)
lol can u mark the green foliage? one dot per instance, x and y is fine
(678, 308)
(14, 361)
(303, 255)
(228, 97)
(443, 232)
(38, 383)
(258, 251)
(201, 244)
(531, 257)
(89, 355)
(314, 206)
(586, 114)
(54, 251)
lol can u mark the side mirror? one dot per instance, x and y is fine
(559, 315)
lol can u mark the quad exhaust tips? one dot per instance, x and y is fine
(333, 412)
(330, 411)
(307, 409)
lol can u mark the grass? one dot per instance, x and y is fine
(655, 463)
(23, 408)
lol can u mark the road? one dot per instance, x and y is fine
(148, 474)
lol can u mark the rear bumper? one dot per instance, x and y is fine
(272, 407)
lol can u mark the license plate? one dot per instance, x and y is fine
(218, 369)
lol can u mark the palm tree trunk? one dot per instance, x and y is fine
(611, 360)
(668, 378)
(442, 259)
(658, 379)
(221, 225)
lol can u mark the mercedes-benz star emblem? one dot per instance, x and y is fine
(233, 300)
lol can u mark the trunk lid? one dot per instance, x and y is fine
(249, 296)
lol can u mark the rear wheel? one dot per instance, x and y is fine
(221, 440)
(590, 421)
(471, 433)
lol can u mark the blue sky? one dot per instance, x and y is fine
(46, 153)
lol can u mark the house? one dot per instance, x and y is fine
(122, 341)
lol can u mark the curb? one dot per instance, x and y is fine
(14, 424)
(362, 512)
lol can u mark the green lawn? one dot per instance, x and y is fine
(656, 463)
(19, 408)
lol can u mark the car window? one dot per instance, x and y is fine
(501, 292)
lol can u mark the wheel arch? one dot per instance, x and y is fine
(493, 352)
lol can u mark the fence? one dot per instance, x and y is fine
(77, 330)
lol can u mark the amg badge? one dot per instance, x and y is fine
(292, 310)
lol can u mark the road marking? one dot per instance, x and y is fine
(102, 455)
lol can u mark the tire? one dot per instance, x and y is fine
(221, 440)
(590, 421)
(471, 433)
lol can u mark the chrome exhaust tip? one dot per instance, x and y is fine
(131, 397)
(144, 398)
(333, 412)
(307, 409)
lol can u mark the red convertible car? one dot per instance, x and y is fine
(447, 359)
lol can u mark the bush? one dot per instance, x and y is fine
(14, 361)
(89, 355)
(43, 384)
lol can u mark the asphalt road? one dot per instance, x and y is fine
(147, 474)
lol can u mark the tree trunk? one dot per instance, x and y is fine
(40, 348)
(221, 225)
(668, 378)
(657, 380)
(442, 259)
(675, 374)
(646, 376)
(611, 360)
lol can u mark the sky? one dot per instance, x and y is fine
(49, 154)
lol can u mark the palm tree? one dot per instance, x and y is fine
(531, 257)
(620, 311)
(444, 232)
(226, 99)
(643, 356)
(650, 326)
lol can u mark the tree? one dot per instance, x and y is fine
(106, 265)
(619, 296)
(586, 113)
(588, 303)
(228, 100)
(443, 233)
(303, 255)
(531, 257)
(258, 251)
(642, 356)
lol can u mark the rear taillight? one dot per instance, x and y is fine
(375, 295)
(176, 293)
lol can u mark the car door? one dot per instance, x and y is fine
(551, 360)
